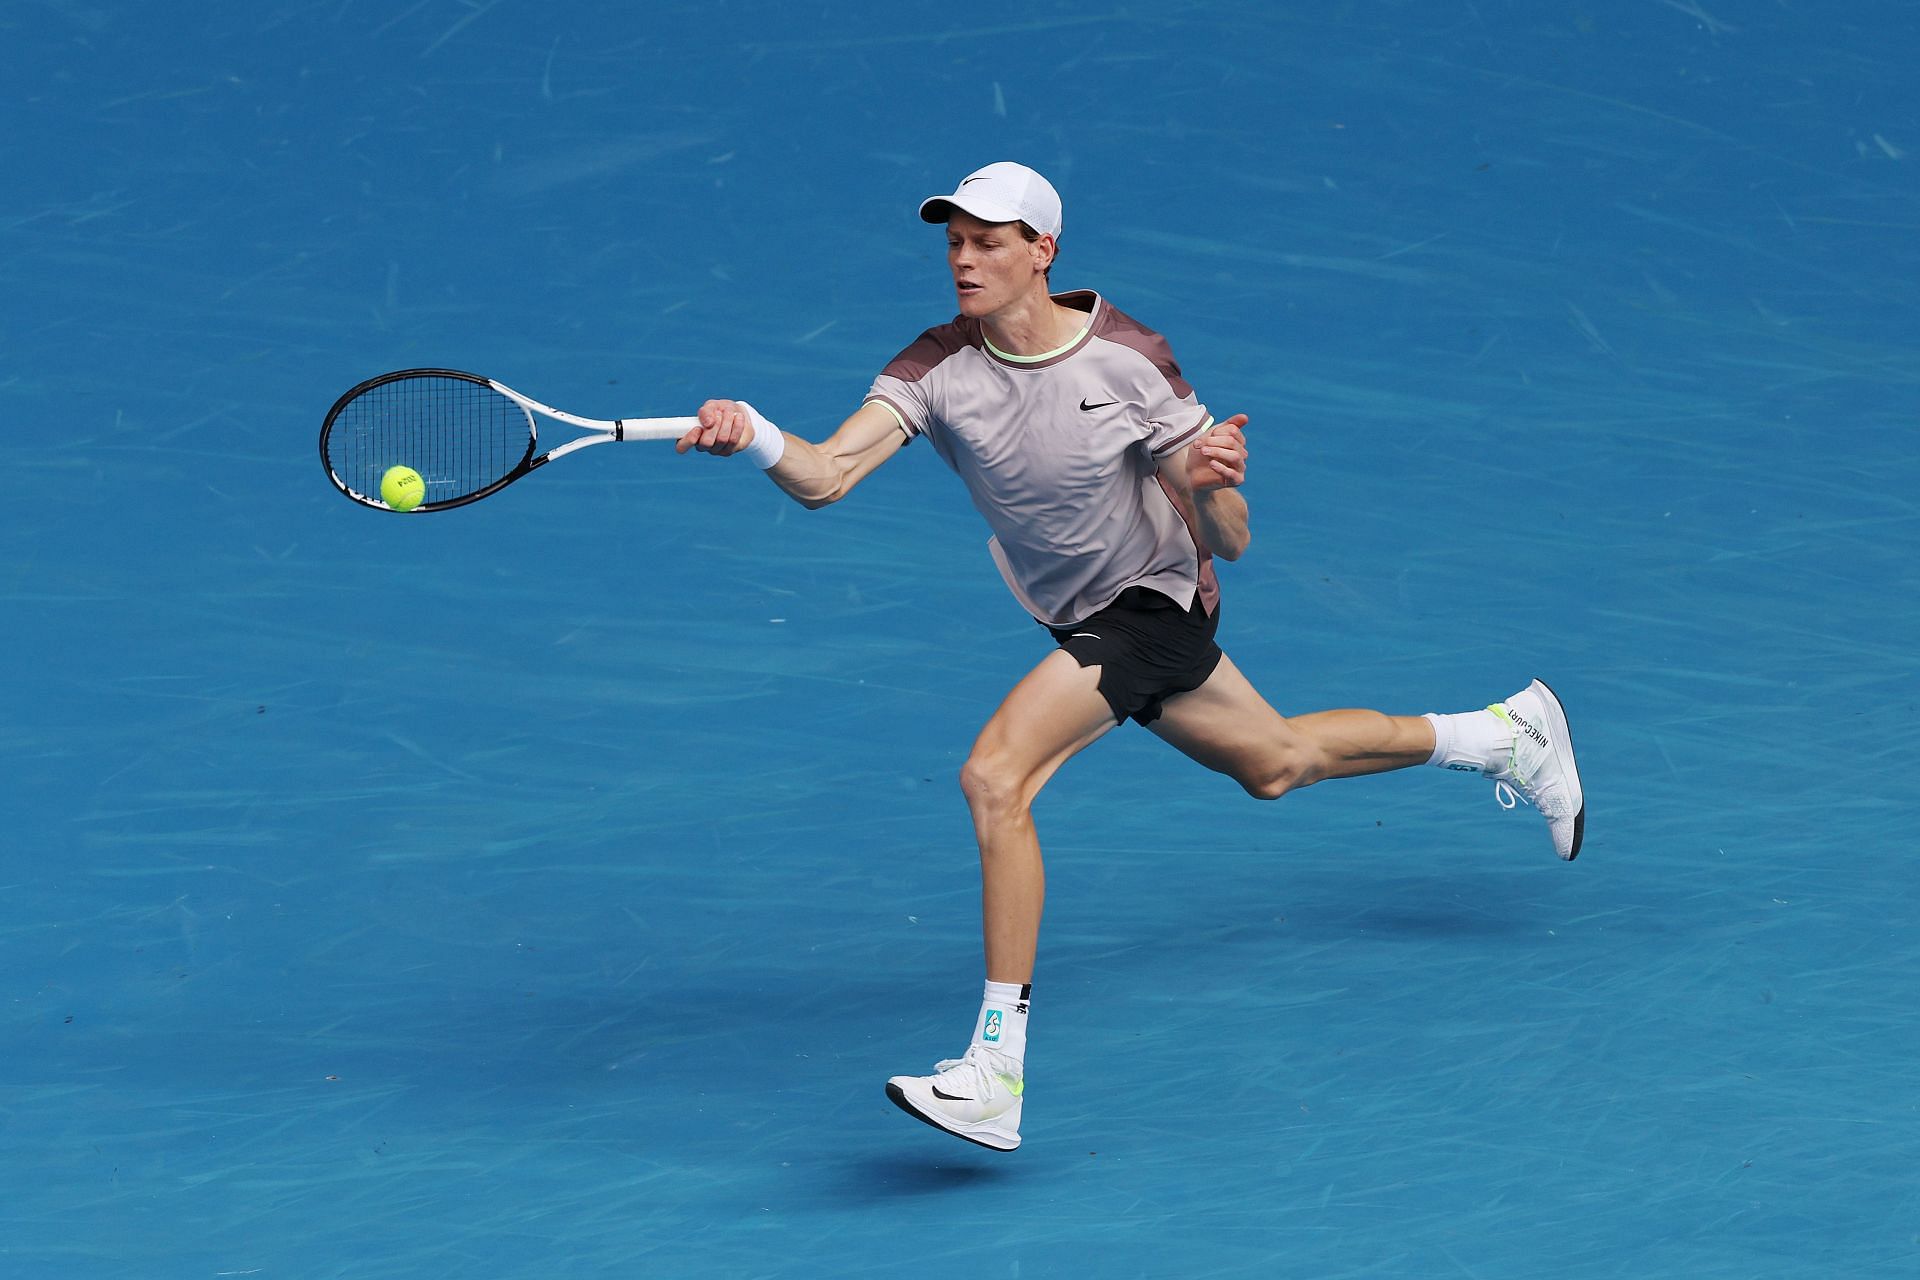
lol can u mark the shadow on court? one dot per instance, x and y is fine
(907, 1175)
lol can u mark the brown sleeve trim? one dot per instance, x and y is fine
(899, 415)
(1185, 437)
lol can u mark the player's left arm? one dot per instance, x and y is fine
(1207, 475)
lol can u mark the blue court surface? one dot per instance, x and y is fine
(547, 888)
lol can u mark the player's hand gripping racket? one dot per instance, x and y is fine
(467, 436)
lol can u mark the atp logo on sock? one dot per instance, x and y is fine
(990, 1029)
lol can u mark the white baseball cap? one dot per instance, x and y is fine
(1001, 192)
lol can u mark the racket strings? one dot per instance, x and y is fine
(461, 436)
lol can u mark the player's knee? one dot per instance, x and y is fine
(1275, 777)
(1268, 786)
(989, 785)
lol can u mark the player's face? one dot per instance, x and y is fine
(993, 264)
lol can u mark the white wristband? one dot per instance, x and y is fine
(768, 442)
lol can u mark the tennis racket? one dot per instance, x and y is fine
(467, 436)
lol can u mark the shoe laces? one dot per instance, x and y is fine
(981, 1069)
(1520, 791)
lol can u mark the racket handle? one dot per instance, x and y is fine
(653, 428)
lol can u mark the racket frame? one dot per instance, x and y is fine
(604, 431)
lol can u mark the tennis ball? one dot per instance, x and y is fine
(402, 488)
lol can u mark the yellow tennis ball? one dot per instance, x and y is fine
(402, 488)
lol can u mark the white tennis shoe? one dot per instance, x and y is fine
(976, 1097)
(1539, 768)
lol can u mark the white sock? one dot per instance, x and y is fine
(1471, 742)
(1002, 1026)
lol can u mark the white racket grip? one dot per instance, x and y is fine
(653, 428)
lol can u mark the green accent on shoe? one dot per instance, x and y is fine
(1014, 1087)
(1513, 750)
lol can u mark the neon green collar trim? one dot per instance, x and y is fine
(1054, 354)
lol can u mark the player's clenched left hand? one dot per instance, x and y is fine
(1218, 459)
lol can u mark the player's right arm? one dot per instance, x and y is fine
(811, 474)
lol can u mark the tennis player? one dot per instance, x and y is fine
(1110, 490)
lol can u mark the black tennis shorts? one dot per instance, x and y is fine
(1148, 649)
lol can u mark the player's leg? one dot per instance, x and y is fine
(1227, 726)
(1521, 743)
(1054, 712)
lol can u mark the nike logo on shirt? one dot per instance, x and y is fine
(1087, 408)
